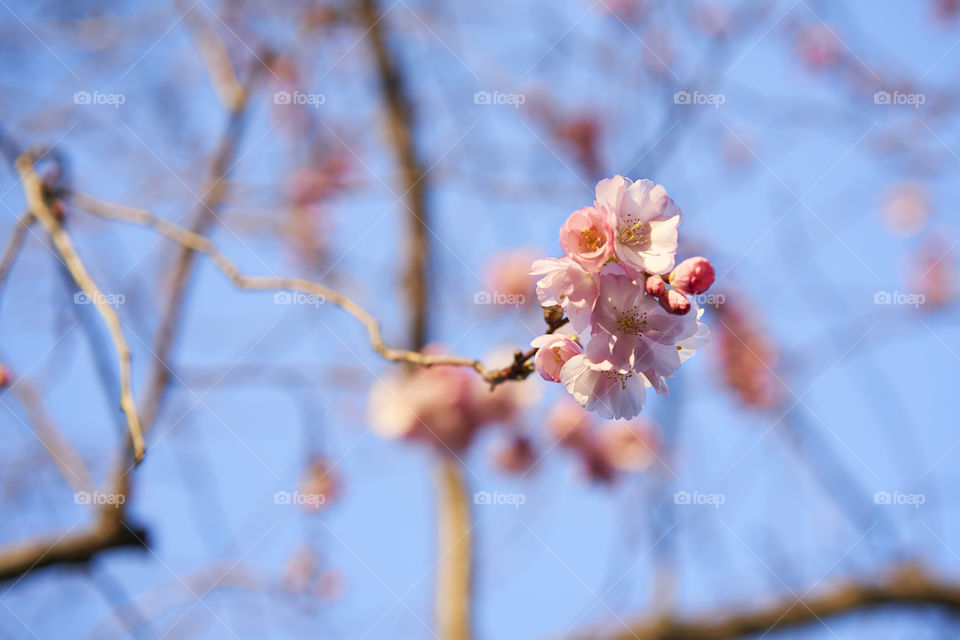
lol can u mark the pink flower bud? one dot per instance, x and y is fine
(693, 276)
(674, 302)
(656, 286)
(553, 351)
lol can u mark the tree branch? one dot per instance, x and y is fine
(902, 586)
(195, 242)
(39, 206)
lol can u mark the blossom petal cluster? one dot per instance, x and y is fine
(631, 307)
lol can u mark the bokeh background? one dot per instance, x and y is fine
(812, 146)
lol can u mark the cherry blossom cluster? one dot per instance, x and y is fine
(632, 309)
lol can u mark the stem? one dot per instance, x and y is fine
(453, 552)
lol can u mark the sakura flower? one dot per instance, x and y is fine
(906, 208)
(587, 237)
(629, 447)
(508, 273)
(628, 323)
(566, 284)
(646, 223)
(569, 424)
(553, 351)
(693, 276)
(612, 394)
(320, 485)
(518, 456)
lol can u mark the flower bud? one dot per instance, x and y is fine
(656, 286)
(553, 351)
(675, 302)
(693, 276)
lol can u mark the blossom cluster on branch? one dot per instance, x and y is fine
(620, 288)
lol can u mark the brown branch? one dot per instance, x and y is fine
(400, 127)
(107, 532)
(38, 202)
(454, 545)
(68, 461)
(195, 242)
(902, 586)
(14, 244)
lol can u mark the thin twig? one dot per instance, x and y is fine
(14, 244)
(202, 244)
(40, 208)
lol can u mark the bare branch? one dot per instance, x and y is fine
(40, 208)
(201, 244)
(905, 586)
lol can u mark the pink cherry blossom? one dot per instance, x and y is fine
(569, 423)
(553, 351)
(693, 276)
(518, 456)
(646, 223)
(587, 237)
(567, 284)
(675, 303)
(630, 447)
(612, 394)
(627, 323)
